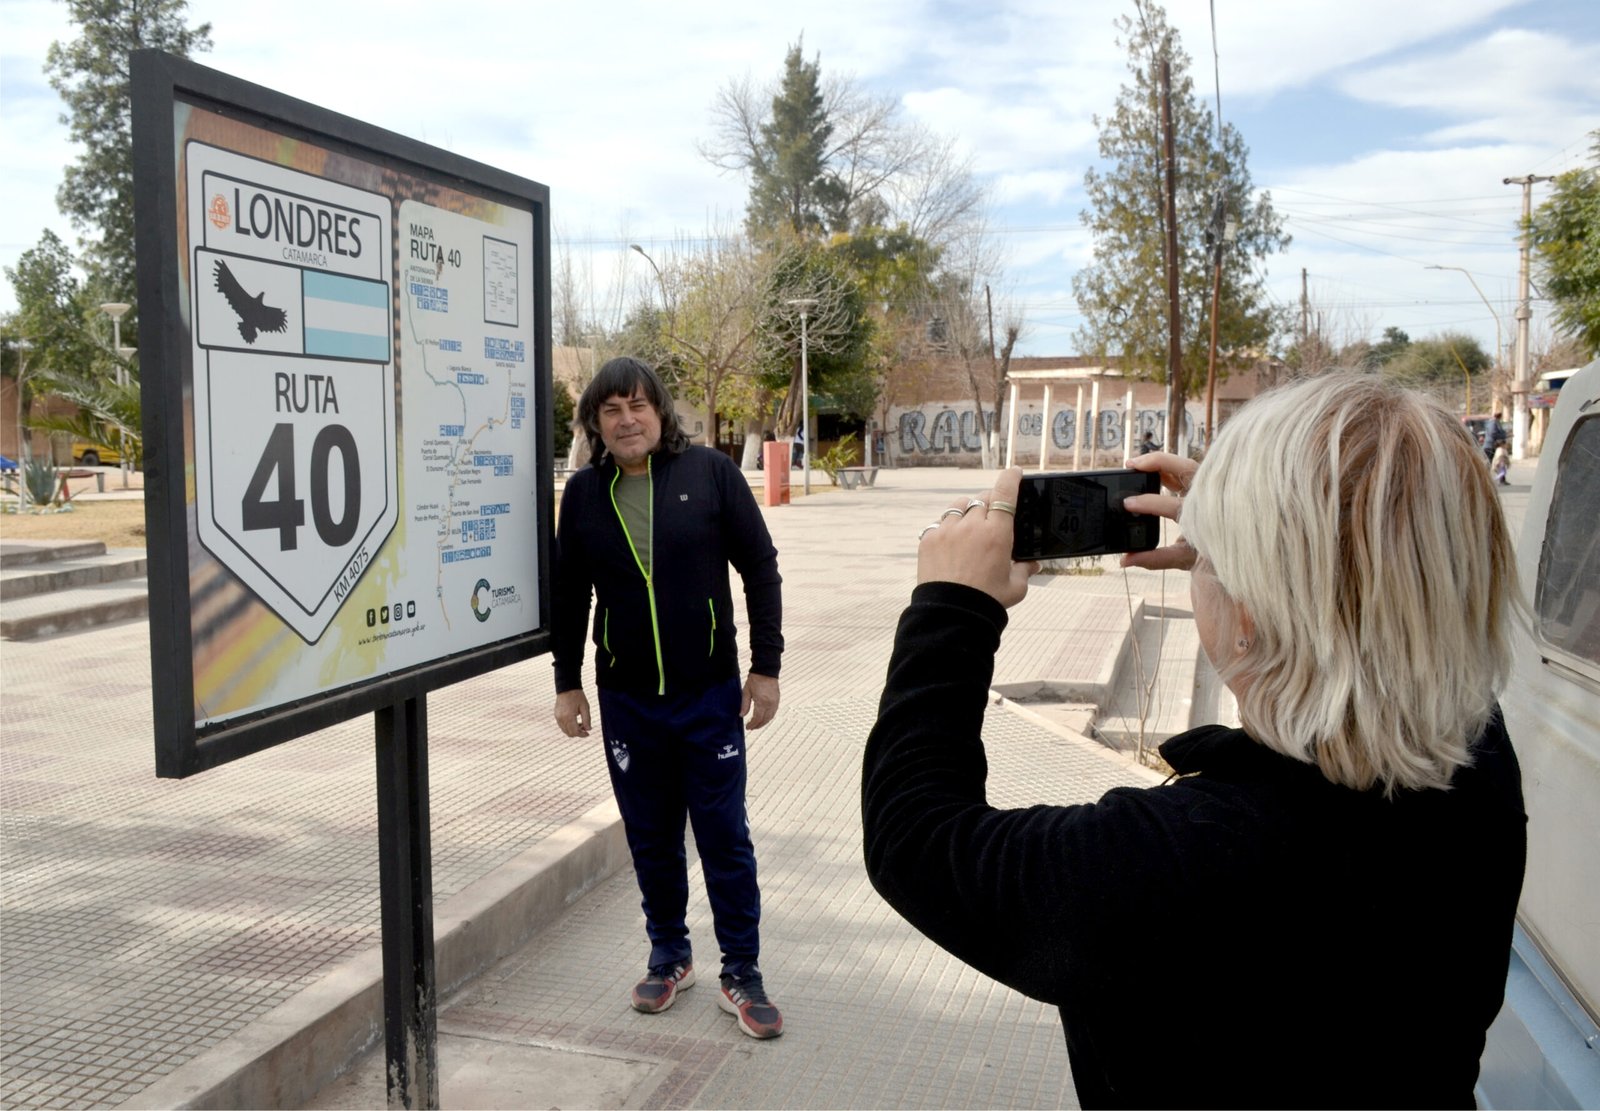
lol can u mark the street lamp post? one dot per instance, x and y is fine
(24, 450)
(1492, 313)
(661, 283)
(115, 310)
(805, 305)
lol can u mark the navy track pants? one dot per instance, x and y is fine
(682, 756)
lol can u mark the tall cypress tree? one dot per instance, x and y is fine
(790, 183)
(1122, 293)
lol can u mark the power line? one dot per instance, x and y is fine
(1386, 220)
(1438, 239)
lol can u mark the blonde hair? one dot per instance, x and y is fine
(1357, 525)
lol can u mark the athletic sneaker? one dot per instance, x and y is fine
(661, 986)
(746, 998)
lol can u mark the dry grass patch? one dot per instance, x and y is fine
(119, 524)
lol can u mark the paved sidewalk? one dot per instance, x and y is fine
(151, 926)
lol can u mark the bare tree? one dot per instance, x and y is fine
(713, 294)
(958, 324)
(584, 306)
(936, 195)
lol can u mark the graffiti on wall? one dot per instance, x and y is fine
(941, 430)
(944, 430)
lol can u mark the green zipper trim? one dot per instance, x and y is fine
(649, 576)
(605, 637)
(712, 606)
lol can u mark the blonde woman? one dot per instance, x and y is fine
(1317, 908)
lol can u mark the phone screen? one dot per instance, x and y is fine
(1079, 513)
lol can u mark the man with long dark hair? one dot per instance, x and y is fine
(651, 526)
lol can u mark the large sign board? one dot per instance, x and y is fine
(346, 351)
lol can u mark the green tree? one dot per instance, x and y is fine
(838, 333)
(825, 155)
(712, 324)
(1122, 293)
(1444, 357)
(790, 183)
(52, 349)
(564, 409)
(1565, 232)
(92, 73)
(1393, 344)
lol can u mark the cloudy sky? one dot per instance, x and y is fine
(1383, 128)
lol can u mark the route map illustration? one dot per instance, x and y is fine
(468, 367)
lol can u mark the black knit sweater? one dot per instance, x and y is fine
(1248, 934)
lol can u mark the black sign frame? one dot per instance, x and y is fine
(160, 83)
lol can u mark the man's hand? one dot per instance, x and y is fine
(572, 713)
(760, 700)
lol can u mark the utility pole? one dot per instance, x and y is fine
(1175, 390)
(1519, 383)
(994, 376)
(1305, 316)
(1217, 236)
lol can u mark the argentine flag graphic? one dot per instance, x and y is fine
(346, 318)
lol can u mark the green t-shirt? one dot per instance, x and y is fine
(633, 502)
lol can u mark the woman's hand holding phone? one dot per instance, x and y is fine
(972, 544)
(1176, 474)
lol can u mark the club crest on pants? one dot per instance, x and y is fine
(619, 753)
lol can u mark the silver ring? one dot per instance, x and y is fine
(973, 504)
(1003, 507)
(927, 529)
(952, 509)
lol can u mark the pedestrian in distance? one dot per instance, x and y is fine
(1500, 465)
(1315, 908)
(1494, 435)
(651, 528)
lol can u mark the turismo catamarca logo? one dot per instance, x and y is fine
(481, 600)
(486, 598)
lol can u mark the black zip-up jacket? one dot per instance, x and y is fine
(1247, 935)
(673, 633)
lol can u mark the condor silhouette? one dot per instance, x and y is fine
(254, 315)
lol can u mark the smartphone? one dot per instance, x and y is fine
(1079, 513)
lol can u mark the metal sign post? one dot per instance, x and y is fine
(405, 881)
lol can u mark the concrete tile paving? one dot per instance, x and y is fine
(145, 922)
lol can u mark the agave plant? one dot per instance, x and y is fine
(40, 478)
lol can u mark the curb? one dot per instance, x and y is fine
(287, 1056)
(1119, 757)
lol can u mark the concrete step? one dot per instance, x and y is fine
(66, 611)
(27, 553)
(1155, 698)
(66, 574)
(1074, 649)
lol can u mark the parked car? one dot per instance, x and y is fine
(1544, 1048)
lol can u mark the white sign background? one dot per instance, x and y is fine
(295, 464)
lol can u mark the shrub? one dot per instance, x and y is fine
(845, 453)
(41, 479)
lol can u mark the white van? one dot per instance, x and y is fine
(1544, 1048)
